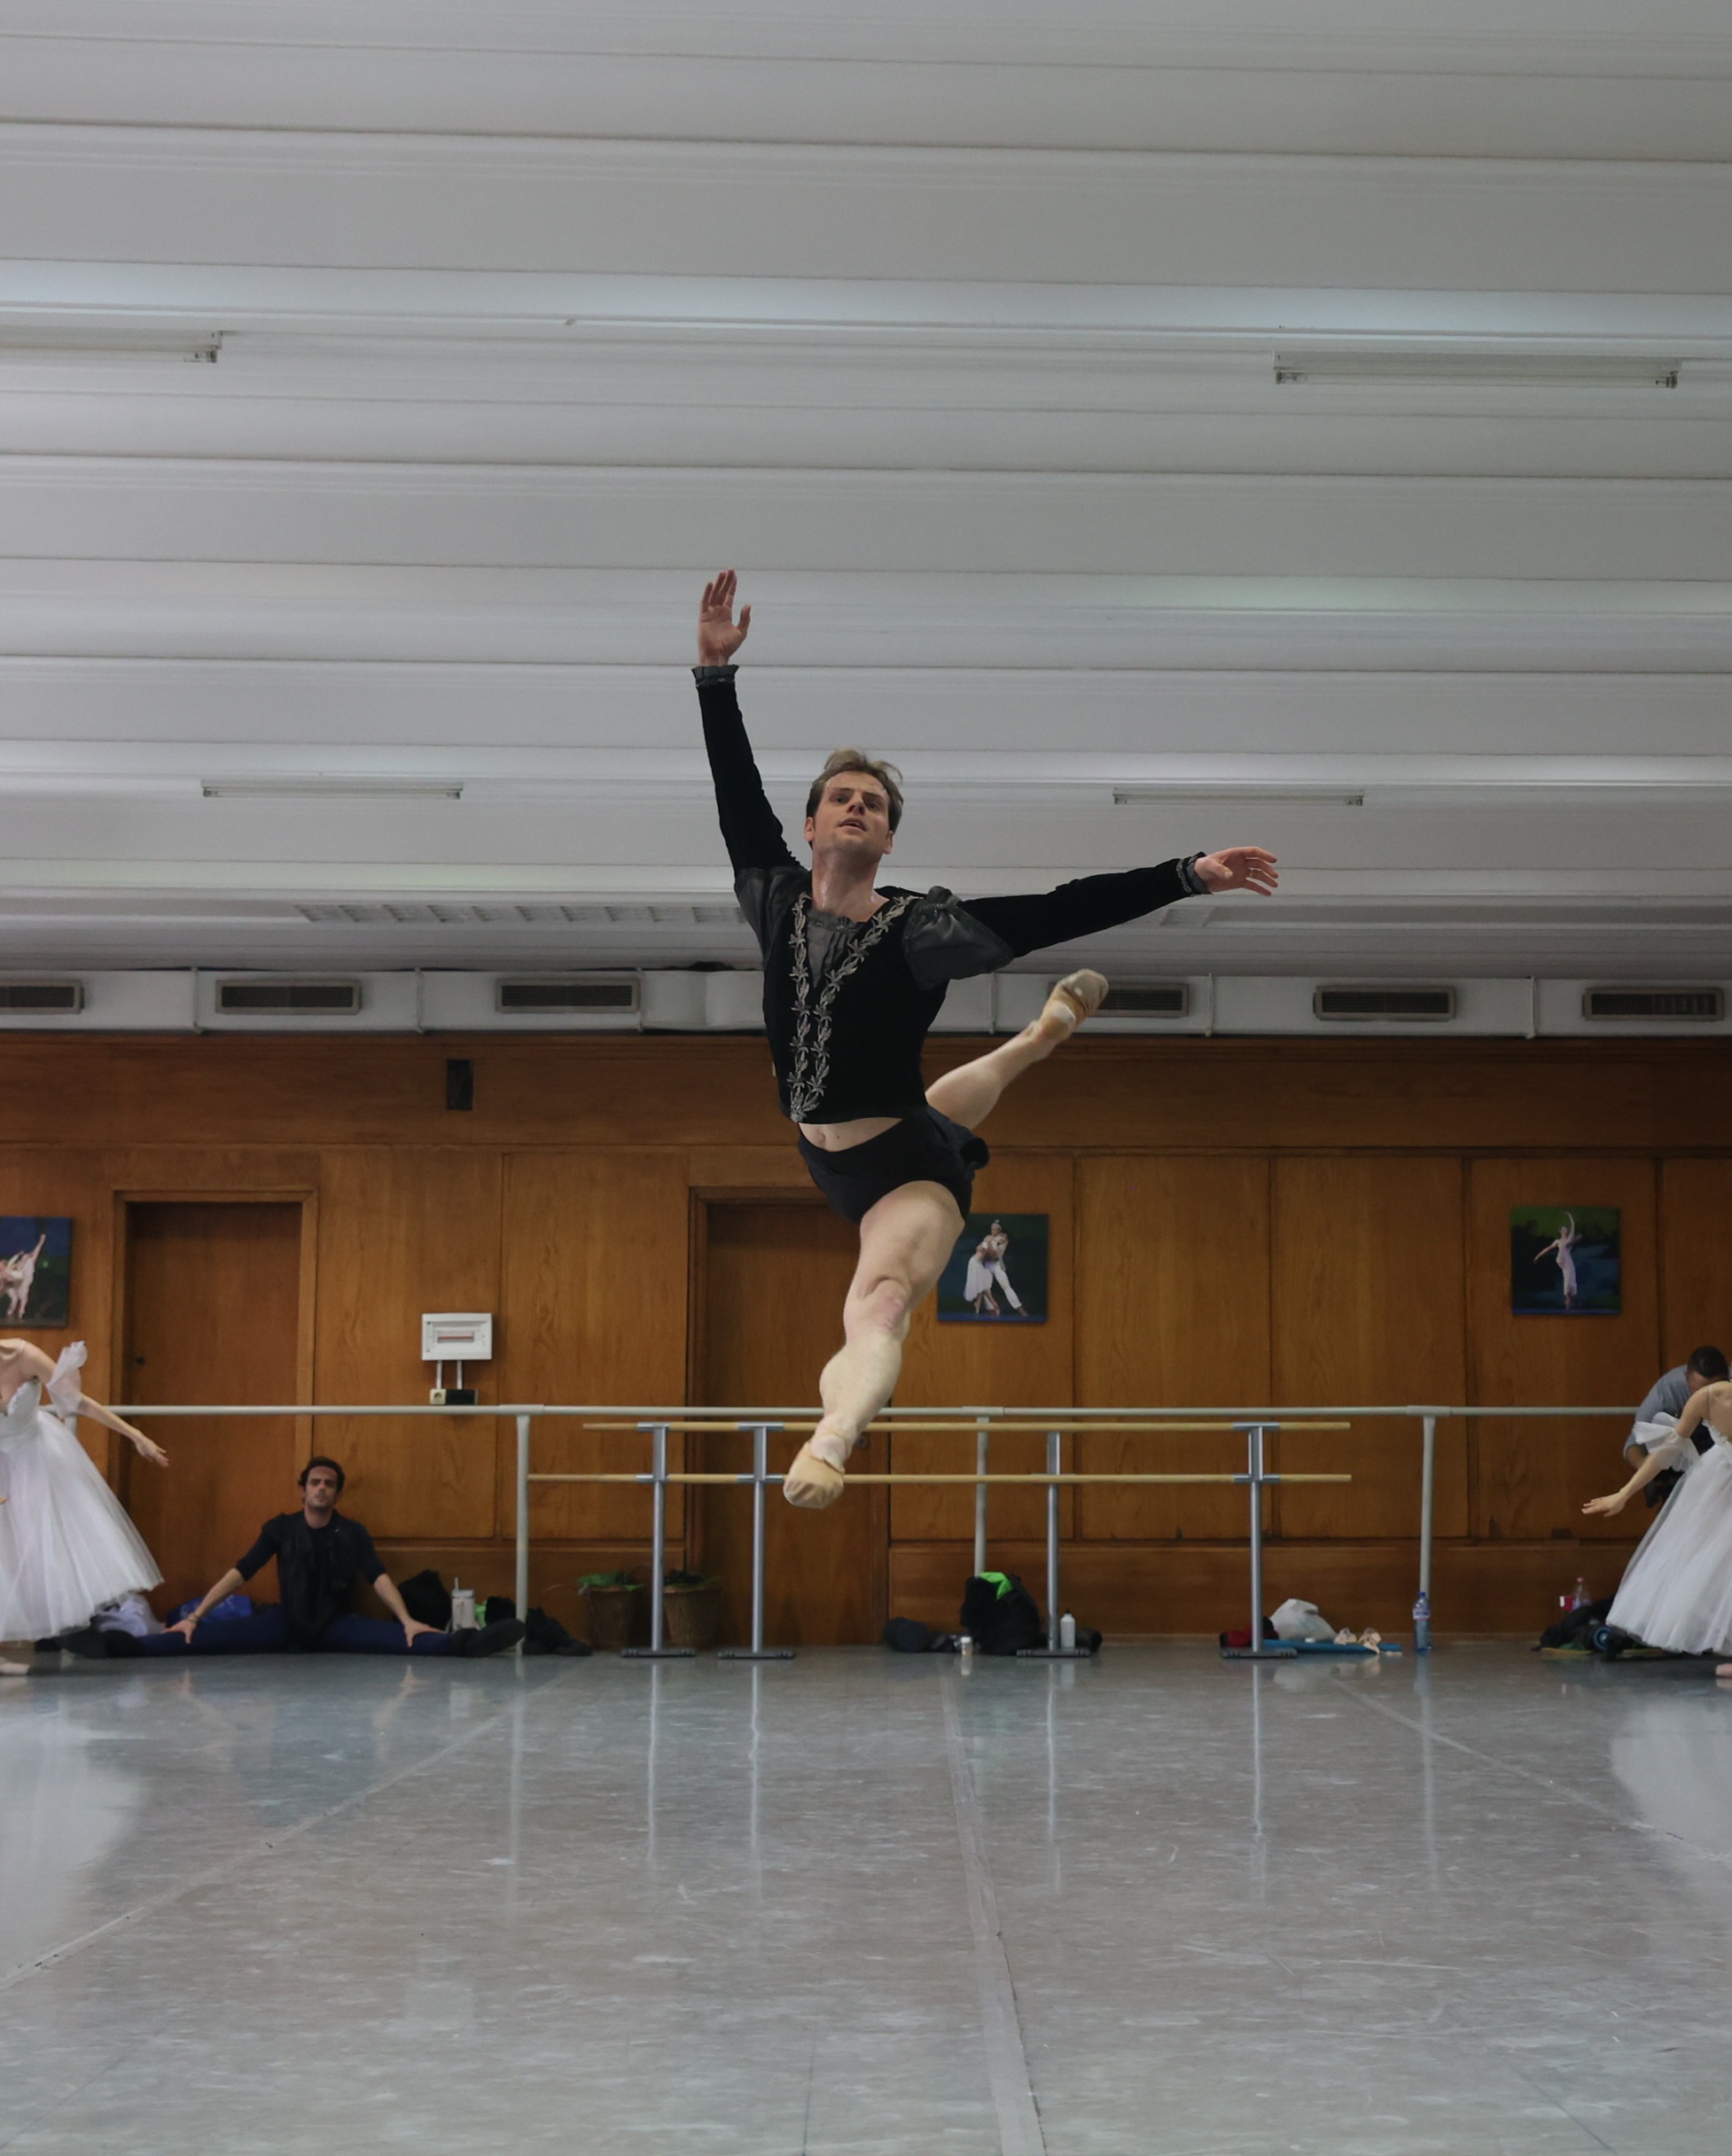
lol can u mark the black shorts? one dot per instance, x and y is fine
(925, 1147)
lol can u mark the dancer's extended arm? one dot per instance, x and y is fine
(37, 1364)
(1661, 1458)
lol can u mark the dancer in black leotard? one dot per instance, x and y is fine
(853, 977)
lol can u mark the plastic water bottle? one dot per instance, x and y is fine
(463, 1608)
(1067, 1633)
(1580, 1597)
(965, 1650)
(1421, 1624)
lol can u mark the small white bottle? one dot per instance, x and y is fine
(1067, 1633)
(966, 1650)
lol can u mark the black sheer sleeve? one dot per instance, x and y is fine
(749, 827)
(1086, 907)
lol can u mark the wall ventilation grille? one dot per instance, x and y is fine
(1410, 1006)
(1704, 1005)
(42, 996)
(414, 914)
(1150, 999)
(263, 998)
(565, 996)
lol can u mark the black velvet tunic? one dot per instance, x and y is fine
(847, 1043)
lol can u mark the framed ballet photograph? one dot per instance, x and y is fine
(1564, 1262)
(997, 1273)
(35, 1268)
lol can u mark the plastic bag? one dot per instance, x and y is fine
(1300, 1620)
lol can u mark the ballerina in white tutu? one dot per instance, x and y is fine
(1676, 1591)
(66, 1546)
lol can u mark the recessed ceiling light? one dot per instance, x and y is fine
(1539, 370)
(279, 789)
(1312, 797)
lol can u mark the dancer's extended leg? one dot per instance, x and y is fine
(904, 1242)
(970, 1093)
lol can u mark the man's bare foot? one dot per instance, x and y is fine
(816, 1479)
(1077, 996)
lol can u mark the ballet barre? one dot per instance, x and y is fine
(759, 1480)
(981, 1420)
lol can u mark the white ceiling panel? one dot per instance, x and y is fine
(526, 318)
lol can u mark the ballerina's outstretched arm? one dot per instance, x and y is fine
(71, 1399)
(1661, 1458)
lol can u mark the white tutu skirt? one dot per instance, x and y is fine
(978, 1281)
(66, 1545)
(1677, 1590)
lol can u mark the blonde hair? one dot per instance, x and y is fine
(842, 759)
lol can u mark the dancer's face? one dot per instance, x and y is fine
(852, 818)
(320, 1490)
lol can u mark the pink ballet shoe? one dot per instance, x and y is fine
(813, 1482)
(1077, 996)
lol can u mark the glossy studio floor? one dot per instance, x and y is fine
(857, 1902)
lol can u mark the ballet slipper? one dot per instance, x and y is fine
(1077, 996)
(1724, 1670)
(14, 1669)
(816, 1479)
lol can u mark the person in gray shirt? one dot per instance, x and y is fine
(1668, 1395)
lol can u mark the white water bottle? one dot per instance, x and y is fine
(965, 1649)
(463, 1608)
(1581, 1598)
(1421, 1624)
(1067, 1633)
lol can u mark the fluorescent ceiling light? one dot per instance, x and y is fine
(281, 789)
(1540, 370)
(1182, 790)
(96, 341)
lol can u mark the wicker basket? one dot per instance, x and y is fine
(617, 1616)
(692, 1616)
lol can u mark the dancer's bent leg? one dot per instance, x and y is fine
(970, 1093)
(905, 1241)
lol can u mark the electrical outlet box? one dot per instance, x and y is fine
(456, 1336)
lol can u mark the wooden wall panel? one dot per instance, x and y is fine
(1103, 1094)
(1368, 1304)
(402, 1232)
(991, 1365)
(1173, 1309)
(1696, 1258)
(593, 1303)
(1532, 1477)
(1163, 1141)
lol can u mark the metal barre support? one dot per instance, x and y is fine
(759, 1480)
(1052, 1652)
(657, 1650)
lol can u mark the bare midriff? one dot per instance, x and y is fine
(836, 1137)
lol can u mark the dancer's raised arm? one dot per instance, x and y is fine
(749, 829)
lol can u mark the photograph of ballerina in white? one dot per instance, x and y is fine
(35, 1270)
(997, 1272)
(1564, 1261)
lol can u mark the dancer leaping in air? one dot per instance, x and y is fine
(853, 977)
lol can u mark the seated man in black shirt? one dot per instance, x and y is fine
(853, 977)
(320, 1555)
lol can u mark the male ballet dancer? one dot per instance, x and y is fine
(853, 977)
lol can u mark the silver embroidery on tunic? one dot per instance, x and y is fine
(812, 1015)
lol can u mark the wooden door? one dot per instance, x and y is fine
(213, 1307)
(772, 1280)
